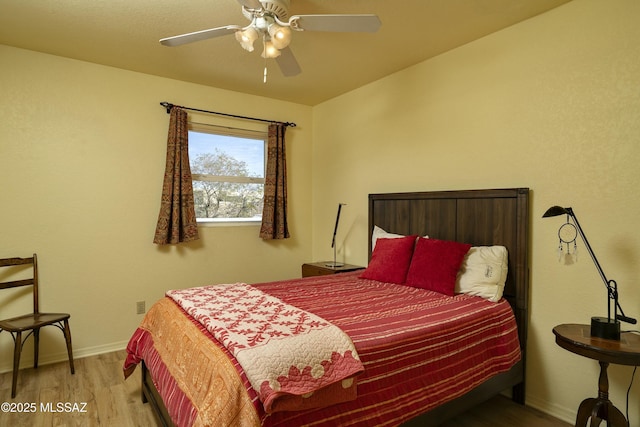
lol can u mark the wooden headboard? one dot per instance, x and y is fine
(478, 217)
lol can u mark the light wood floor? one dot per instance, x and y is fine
(107, 399)
(98, 382)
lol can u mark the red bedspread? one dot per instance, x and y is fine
(419, 348)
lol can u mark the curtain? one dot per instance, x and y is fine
(274, 213)
(177, 218)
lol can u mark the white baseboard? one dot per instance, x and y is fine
(560, 412)
(49, 358)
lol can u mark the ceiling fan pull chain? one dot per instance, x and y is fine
(264, 49)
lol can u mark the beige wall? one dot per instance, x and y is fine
(552, 104)
(82, 153)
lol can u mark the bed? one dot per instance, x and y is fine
(479, 218)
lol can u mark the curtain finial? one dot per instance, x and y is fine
(167, 106)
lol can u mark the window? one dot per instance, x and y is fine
(228, 169)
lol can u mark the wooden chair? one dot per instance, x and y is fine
(31, 322)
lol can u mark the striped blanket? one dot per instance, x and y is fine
(419, 350)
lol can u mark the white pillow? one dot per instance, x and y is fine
(483, 272)
(379, 233)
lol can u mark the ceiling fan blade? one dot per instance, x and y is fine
(287, 63)
(250, 4)
(338, 23)
(199, 35)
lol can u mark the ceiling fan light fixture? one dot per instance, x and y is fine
(270, 51)
(246, 37)
(280, 36)
(270, 20)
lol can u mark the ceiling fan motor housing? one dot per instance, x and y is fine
(280, 8)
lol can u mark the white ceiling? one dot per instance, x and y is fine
(125, 34)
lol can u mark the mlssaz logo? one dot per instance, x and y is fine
(63, 407)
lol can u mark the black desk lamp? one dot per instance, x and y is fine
(602, 327)
(333, 241)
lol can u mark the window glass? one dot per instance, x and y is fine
(227, 168)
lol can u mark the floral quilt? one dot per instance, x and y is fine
(294, 359)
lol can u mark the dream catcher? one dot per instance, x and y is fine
(567, 246)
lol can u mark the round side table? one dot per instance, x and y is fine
(577, 339)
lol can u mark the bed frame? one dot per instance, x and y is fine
(481, 218)
(478, 217)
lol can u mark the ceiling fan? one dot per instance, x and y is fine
(270, 22)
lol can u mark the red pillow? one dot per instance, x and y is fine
(390, 260)
(435, 265)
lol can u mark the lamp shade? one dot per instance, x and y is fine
(280, 36)
(555, 211)
(246, 38)
(270, 51)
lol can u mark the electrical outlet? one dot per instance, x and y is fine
(140, 307)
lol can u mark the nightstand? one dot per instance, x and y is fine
(577, 339)
(321, 269)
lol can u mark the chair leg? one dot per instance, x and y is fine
(16, 362)
(36, 347)
(67, 338)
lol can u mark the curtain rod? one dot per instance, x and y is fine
(168, 106)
